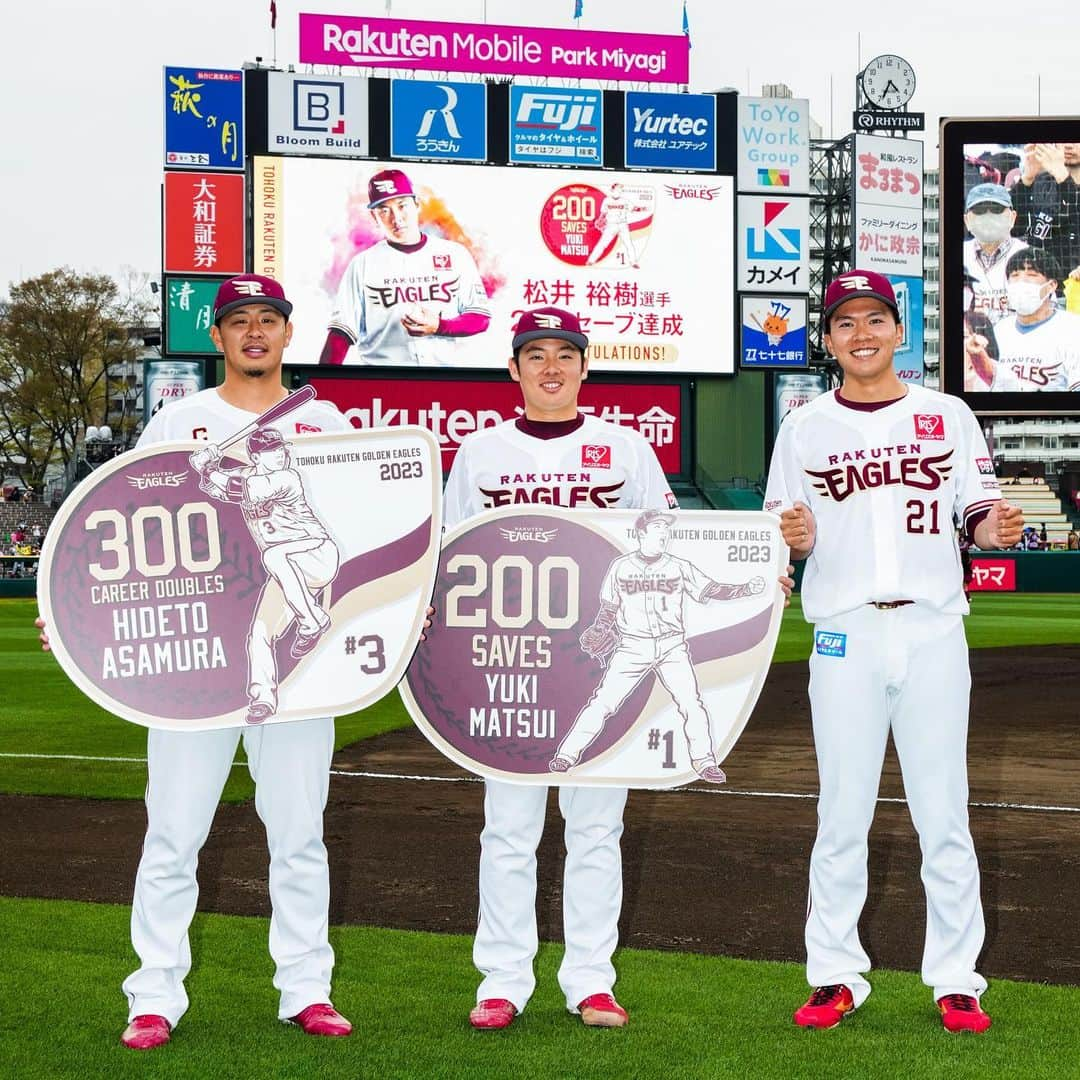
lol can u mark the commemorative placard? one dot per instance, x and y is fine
(607, 647)
(271, 578)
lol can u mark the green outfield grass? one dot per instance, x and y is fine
(41, 712)
(408, 995)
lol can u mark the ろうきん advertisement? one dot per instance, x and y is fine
(415, 264)
(619, 647)
(191, 586)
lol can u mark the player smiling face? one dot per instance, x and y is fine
(550, 372)
(253, 339)
(863, 336)
(399, 219)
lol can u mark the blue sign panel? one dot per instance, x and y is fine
(204, 118)
(556, 127)
(774, 333)
(440, 121)
(908, 358)
(671, 131)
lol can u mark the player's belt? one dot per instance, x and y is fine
(888, 605)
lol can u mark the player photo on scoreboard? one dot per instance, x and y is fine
(407, 264)
(1021, 265)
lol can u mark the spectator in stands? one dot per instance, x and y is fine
(1042, 535)
(38, 533)
(1074, 540)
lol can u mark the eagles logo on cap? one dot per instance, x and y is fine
(549, 322)
(249, 289)
(853, 284)
(386, 185)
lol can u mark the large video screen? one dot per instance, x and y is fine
(406, 265)
(1010, 281)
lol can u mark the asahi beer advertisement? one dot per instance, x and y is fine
(616, 647)
(438, 273)
(190, 586)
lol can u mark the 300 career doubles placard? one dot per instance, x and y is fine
(189, 586)
(608, 647)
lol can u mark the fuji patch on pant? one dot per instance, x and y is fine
(827, 643)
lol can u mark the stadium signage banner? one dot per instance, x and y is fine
(887, 214)
(773, 146)
(774, 332)
(670, 131)
(486, 49)
(438, 120)
(317, 114)
(189, 314)
(204, 223)
(774, 244)
(609, 246)
(552, 126)
(521, 677)
(204, 118)
(452, 409)
(183, 592)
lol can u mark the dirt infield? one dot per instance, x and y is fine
(707, 870)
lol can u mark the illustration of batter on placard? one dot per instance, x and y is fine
(639, 628)
(298, 554)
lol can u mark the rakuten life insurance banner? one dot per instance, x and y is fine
(439, 275)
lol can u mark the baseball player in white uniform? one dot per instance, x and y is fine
(289, 762)
(298, 554)
(1039, 346)
(411, 298)
(640, 625)
(544, 457)
(868, 480)
(989, 217)
(615, 213)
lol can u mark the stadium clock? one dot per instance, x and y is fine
(888, 81)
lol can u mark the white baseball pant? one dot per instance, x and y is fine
(904, 669)
(290, 764)
(506, 937)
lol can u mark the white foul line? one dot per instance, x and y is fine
(692, 790)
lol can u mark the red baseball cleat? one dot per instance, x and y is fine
(146, 1031)
(492, 1014)
(962, 1012)
(602, 1010)
(322, 1019)
(825, 1007)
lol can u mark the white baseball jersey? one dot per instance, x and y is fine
(988, 276)
(615, 209)
(206, 415)
(883, 486)
(1038, 356)
(650, 593)
(384, 282)
(277, 510)
(596, 464)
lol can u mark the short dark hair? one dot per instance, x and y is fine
(1032, 258)
(569, 344)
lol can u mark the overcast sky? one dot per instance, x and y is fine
(81, 94)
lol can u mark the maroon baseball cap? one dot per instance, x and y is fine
(853, 284)
(388, 184)
(549, 322)
(249, 289)
(264, 438)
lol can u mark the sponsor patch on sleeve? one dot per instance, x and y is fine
(985, 466)
(673, 503)
(773, 504)
(828, 643)
(306, 429)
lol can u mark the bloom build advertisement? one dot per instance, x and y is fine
(441, 281)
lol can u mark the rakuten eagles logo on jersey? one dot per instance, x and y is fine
(881, 466)
(551, 489)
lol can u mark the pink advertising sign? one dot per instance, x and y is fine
(344, 40)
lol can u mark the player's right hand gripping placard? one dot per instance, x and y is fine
(614, 647)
